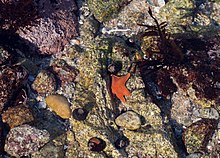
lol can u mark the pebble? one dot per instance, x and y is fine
(129, 120)
(60, 105)
(24, 140)
(44, 83)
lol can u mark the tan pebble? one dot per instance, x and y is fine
(59, 104)
(129, 120)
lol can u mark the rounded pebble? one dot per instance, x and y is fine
(129, 120)
(59, 104)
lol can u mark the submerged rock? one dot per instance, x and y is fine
(11, 78)
(24, 140)
(129, 120)
(60, 105)
(198, 134)
(55, 27)
(4, 55)
(53, 149)
(65, 72)
(44, 83)
(17, 115)
(103, 10)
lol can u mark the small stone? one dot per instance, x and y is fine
(24, 140)
(129, 120)
(17, 115)
(96, 144)
(198, 134)
(44, 83)
(80, 114)
(60, 105)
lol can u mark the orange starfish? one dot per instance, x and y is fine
(118, 86)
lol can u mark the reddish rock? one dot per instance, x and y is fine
(11, 78)
(17, 115)
(56, 26)
(65, 72)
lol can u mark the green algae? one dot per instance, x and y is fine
(104, 10)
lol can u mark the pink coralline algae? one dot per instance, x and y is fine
(24, 140)
(55, 27)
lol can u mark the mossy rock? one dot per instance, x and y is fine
(103, 10)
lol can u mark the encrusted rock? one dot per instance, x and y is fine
(129, 120)
(60, 105)
(103, 10)
(65, 72)
(53, 149)
(17, 115)
(197, 135)
(24, 140)
(44, 83)
(55, 28)
(4, 55)
(10, 80)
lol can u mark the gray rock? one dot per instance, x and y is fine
(129, 120)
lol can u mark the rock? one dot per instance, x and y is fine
(10, 80)
(53, 149)
(24, 140)
(55, 27)
(198, 134)
(60, 105)
(129, 120)
(103, 10)
(4, 55)
(44, 83)
(17, 115)
(65, 72)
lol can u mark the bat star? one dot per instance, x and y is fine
(118, 86)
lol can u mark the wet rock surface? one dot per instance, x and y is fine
(58, 19)
(198, 134)
(171, 53)
(18, 115)
(24, 140)
(11, 78)
(44, 83)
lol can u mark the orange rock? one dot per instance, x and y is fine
(118, 86)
